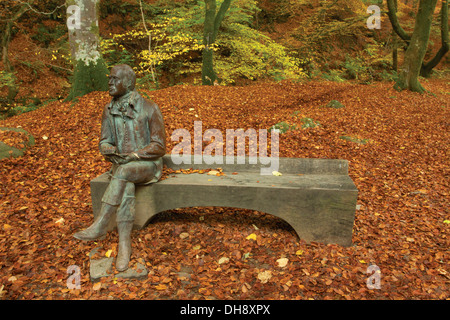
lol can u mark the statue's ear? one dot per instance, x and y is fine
(128, 84)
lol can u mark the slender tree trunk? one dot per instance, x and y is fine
(211, 28)
(90, 71)
(13, 89)
(394, 46)
(394, 53)
(208, 74)
(152, 68)
(409, 73)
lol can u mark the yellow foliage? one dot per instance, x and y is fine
(165, 46)
(252, 54)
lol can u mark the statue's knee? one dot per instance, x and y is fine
(121, 173)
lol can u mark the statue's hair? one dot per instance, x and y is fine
(129, 76)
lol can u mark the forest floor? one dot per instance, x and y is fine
(402, 222)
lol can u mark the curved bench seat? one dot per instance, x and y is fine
(315, 196)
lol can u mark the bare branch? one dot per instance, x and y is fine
(39, 12)
(149, 40)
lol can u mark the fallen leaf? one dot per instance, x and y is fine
(184, 235)
(108, 253)
(282, 262)
(161, 287)
(224, 260)
(251, 237)
(276, 173)
(264, 276)
(97, 286)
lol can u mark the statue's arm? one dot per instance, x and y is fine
(107, 144)
(157, 146)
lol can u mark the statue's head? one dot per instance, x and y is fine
(122, 80)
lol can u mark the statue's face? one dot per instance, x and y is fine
(116, 83)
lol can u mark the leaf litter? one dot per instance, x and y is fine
(400, 226)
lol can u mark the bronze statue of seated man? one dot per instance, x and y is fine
(133, 140)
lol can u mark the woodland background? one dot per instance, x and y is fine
(279, 63)
(258, 41)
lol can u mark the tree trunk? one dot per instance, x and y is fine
(90, 71)
(208, 74)
(394, 46)
(211, 28)
(392, 14)
(409, 73)
(426, 69)
(394, 53)
(13, 88)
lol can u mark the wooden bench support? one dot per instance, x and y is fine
(315, 196)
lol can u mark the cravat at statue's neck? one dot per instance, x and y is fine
(123, 98)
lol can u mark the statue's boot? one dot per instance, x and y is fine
(110, 202)
(99, 228)
(124, 253)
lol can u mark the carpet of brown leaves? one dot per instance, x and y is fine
(225, 253)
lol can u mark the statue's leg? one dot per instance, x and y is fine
(133, 172)
(125, 219)
(110, 202)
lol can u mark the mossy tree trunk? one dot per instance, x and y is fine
(90, 71)
(427, 68)
(394, 46)
(417, 48)
(211, 29)
(417, 43)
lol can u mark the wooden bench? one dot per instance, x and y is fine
(315, 196)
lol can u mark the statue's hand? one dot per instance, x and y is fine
(123, 159)
(107, 149)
